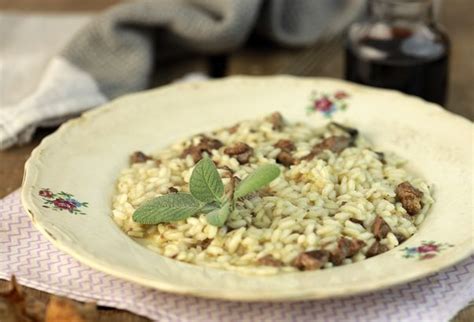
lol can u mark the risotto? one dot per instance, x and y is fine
(336, 201)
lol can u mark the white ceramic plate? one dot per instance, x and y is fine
(81, 161)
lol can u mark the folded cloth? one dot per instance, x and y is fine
(38, 264)
(117, 52)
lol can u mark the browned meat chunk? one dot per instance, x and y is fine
(269, 260)
(410, 197)
(357, 221)
(172, 190)
(206, 144)
(380, 228)
(381, 157)
(237, 148)
(285, 145)
(349, 130)
(205, 243)
(244, 157)
(139, 157)
(345, 248)
(335, 144)
(309, 157)
(194, 151)
(311, 260)
(233, 128)
(401, 238)
(277, 121)
(355, 246)
(376, 249)
(285, 158)
(241, 151)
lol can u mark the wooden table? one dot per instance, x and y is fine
(256, 59)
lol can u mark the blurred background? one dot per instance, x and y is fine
(259, 56)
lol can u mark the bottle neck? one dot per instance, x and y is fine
(404, 11)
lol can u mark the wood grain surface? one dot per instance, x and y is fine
(258, 58)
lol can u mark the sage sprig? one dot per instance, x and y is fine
(207, 196)
(171, 207)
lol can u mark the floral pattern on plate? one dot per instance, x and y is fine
(427, 250)
(62, 201)
(328, 104)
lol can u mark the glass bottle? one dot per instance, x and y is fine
(399, 46)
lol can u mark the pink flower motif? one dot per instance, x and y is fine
(323, 104)
(340, 95)
(45, 193)
(427, 248)
(64, 204)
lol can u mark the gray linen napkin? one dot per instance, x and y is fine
(116, 52)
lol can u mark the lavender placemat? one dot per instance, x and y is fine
(38, 264)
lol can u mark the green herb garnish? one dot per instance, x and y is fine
(207, 196)
(205, 183)
(258, 179)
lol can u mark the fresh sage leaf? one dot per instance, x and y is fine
(205, 183)
(167, 208)
(219, 216)
(210, 207)
(262, 176)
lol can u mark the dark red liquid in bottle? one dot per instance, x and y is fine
(404, 60)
